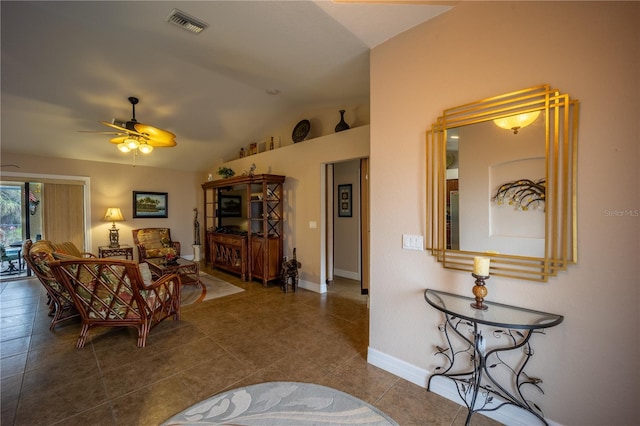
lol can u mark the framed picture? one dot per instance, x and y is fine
(344, 200)
(230, 205)
(150, 204)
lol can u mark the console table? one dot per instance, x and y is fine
(480, 385)
(123, 250)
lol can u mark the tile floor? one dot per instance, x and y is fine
(258, 335)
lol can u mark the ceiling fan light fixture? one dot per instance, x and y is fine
(132, 143)
(137, 137)
(145, 148)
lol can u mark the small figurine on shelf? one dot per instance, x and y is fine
(251, 172)
(242, 153)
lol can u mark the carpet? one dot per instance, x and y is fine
(211, 288)
(282, 403)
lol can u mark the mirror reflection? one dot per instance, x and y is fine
(482, 158)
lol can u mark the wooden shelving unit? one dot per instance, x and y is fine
(249, 244)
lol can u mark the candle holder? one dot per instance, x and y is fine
(480, 292)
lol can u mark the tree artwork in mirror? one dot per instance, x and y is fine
(501, 182)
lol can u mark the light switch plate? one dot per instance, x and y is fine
(412, 242)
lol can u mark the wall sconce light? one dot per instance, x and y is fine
(517, 122)
(114, 215)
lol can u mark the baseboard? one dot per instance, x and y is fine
(508, 415)
(346, 274)
(308, 285)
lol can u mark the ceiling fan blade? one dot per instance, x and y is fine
(123, 130)
(155, 134)
(97, 132)
(161, 144)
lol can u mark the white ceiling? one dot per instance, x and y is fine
(68, 65)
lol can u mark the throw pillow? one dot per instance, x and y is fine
(147, 278)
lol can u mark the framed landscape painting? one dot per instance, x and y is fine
(150, 204)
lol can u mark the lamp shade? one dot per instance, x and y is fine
(113, 215)
(132, 143)
(145, 148)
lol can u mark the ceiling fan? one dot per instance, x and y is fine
(135, 136)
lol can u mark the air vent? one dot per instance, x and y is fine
(189, 23)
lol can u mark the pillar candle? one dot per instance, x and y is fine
(481, 266)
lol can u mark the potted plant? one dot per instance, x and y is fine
(226, 172)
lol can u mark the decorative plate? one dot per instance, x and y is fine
(301, 131)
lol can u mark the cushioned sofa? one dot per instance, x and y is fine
(38, 256)
(102, 292)
(112, 293)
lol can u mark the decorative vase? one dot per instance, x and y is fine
(342, 125)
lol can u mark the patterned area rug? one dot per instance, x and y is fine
(282, 403)
(212, 288)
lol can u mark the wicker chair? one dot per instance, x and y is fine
(154, 242)
(38, 256)
(111, 293)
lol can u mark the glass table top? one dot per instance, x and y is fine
(497, 314)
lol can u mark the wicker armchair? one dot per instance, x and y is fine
(38, 256)
(111, 293)
(154, 242)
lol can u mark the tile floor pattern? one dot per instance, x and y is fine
(259, 335)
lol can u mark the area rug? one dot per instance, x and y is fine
(211, 288)
(282, 403)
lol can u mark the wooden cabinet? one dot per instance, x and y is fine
(264, 265)
(228, 252)
(245, 239)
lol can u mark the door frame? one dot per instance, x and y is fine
(325, 204)
(86, 184)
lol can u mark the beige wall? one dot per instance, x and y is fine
(112, 185)
(303, 165)
(590, 363)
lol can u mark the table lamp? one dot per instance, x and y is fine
(113, 215)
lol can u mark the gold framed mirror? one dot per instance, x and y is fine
(501, 183)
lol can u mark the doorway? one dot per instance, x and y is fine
(49, 207)
(20, 219)
(347, 225)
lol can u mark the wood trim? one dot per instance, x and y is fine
(364, 225)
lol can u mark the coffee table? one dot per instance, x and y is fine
(189, 271)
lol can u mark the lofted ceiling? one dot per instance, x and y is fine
(68, 65)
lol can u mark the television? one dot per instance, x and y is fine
(230, 206)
